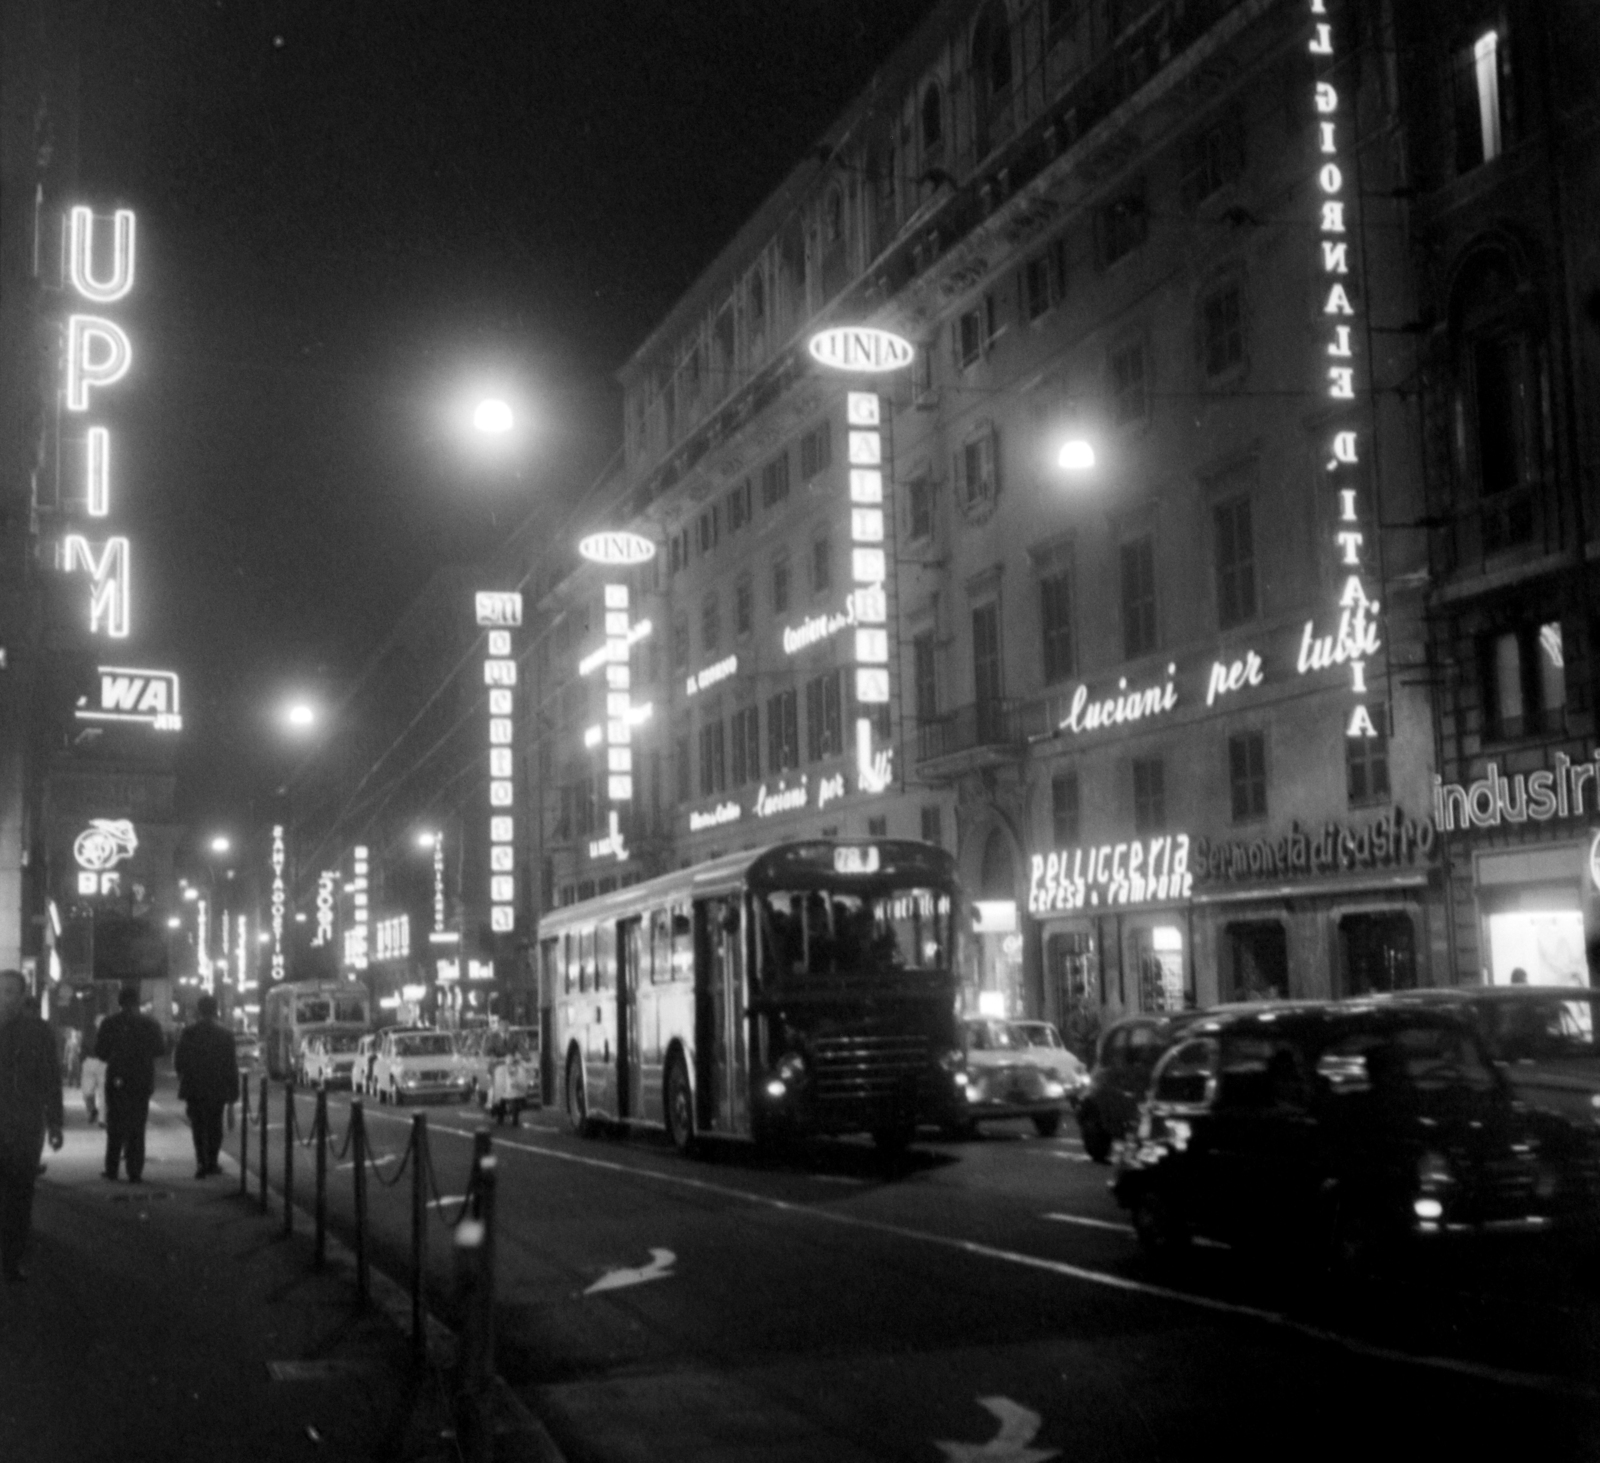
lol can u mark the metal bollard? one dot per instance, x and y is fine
(319, 1124)
(488, 1174)
(244, 1139)
(358, 1147)
(419, 1237)
(288, 1159)
(472, 1363)
(262, 1108)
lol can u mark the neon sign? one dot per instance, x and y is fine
(500, 611)
(720, 671)
(101, 846)
(1139, 871)
(860, 348)
(869, 568)
(1496, 798)
(1140, 704)
(783, 798)
(96, 354)
(617, 548)
(392, 938)
(1357, 609)
(1389, 841)
(355, 938)
(327, 885)
(150, 697)
(715, 817)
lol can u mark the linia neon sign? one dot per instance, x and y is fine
(97, 354)
(616, 547)
(861, 348)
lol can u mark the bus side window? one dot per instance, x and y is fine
(569, 965)
(585, 958)
(660, 947)
(605, 957)
(682, 943)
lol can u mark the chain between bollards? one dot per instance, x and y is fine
(320, 1135)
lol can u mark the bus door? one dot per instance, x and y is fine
(629, 950)
(719, 1016)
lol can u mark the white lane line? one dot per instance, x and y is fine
(1089, 1223)
(1069, 1157)
(1505, 1376)
(375, 1158)
(447, 1199)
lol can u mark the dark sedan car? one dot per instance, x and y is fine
(1127, 1052)
(1343, 1133)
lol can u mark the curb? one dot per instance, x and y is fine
(519, 1435)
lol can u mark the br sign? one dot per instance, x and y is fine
(861, 348)
(617, 548)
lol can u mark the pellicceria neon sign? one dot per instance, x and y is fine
(96, 353)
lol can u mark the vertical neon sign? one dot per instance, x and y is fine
(1358, 612)
(501, 611)
(279, 900)
(869, 568)
(240, 949)
(356, 944)
(96, 353)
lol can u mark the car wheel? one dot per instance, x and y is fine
(577, 1099)
(1159, 1227)
(679, 1099)
(1047, 1124)
(1096, 1141)
(894, 1139)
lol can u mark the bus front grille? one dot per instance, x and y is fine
(862, 1068)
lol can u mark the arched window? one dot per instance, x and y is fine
(932, 116)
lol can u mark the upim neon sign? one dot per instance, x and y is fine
(1357, 633)
(96, 354)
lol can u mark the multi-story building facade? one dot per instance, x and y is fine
(1170, 709)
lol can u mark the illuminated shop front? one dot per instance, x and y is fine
(1527, 847)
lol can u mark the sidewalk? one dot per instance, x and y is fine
(157, 1319)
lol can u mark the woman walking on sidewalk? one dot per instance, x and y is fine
(30, 1106)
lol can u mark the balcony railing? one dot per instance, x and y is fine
(981, 733)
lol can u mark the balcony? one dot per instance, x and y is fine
(984, 734)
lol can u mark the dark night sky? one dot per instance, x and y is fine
(351, 208)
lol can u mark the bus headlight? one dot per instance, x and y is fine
(788, 1074)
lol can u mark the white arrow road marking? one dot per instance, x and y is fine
(448, 1199)
(1018, 1427)
(1088, 1223)
(660, 1263)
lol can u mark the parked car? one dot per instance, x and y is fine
(1004, 1078)
(1108, 1106)
(247, 1050)
(419, 1064)
(1546, 1038)
(329, 1060)
(1344, 1133)
(1045, 1045)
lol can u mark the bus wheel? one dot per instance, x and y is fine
(577, 1101)
(679, 1105)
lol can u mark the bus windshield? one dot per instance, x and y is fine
(320, 1010)
(426, 1044)
(839, 932)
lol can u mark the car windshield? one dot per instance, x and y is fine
(994, 1036)
(1552, 1028)
(834, 932)
(1410, 1059)
(342, 1041)
(426, 1044)
(1037, 1033)
(509, 1044)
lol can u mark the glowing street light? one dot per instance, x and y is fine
(493, 417)
(1076, 455)
(427, 839)
(173, 922)
(221, 843)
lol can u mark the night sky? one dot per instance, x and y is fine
(352, 212)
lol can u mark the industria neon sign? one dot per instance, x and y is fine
(1357, 636)
(96, 354)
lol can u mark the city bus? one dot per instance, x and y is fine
(803, 988)
(298, 1009)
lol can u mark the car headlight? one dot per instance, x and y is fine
(1054, 1089)
(409, 1079)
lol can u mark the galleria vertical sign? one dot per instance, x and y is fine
(1356, 637)
(98, 271)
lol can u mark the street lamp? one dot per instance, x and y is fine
(221, 843)
(1076, 455)
(493, 417)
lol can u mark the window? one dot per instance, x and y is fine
(710, 623)
(986, 680)
(919, 503)
(746, 745)
(1130, 397)
(681, 757)
(1215, 158)
(1247, 775)
(1043, 280)
(775, 481)
(1055, 614)
(710, 529)
(713, 763)
(1525, 690)
(783, 732)
(739, 507)
(780, 584)
(821, 564)
(816, 451)
(1221, 332)
(878, 827)
(1482, 89)
(1149, 795)
(757, 298)
(1121, 226)
(977, 472)
(924, 677)
(744, 599)
(1366, 762)
(933, 824)
(824, 717)
(1064, 809)
(1236, 561)
(1138, 596)
(969, 337)
(678, 546)
(932, 117)
(680, 642)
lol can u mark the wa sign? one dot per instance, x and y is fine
(124, 694)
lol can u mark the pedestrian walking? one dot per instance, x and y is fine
(92, 1084)
(128, 1043)
(207, 1065)
(30, 1108)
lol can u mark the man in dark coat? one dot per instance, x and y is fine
(207, 1065)
(128, 1043)
(30, 1107)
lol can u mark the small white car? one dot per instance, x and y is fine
(1045, 1046)
(414, 1065)
(329, 1060)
